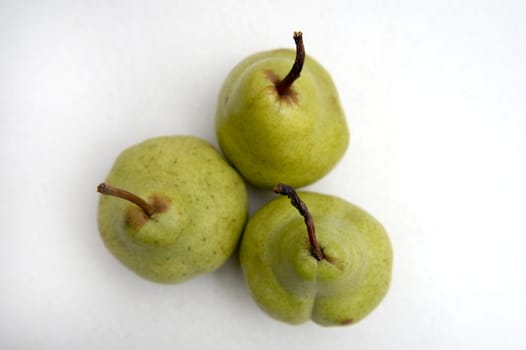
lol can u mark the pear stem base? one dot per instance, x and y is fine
(106, 189)
(295, 200)
(283, 86)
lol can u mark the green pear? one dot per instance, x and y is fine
(333, 266)
(172, 208)
(275, 126)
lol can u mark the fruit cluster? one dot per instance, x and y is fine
(173, 207)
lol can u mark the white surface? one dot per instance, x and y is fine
(435, 97)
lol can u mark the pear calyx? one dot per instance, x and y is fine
(295, 200)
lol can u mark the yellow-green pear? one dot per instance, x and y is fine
(275, 126)
(172, 208)
(333, 265)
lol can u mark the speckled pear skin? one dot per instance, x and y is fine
(290, 285)
(296, 139)
(207, 209)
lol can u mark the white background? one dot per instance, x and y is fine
(435, 96)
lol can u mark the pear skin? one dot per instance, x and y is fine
(291, 285)
(296, 137)
(200, 205)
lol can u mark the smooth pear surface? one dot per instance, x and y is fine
(290, 285)
(203, 208)
(294, 139)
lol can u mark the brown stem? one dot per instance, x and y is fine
(284, 85)
(304, 211)
(106, 189)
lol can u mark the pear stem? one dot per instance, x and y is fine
(295, 200)
(284, 85)
(106, 189)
